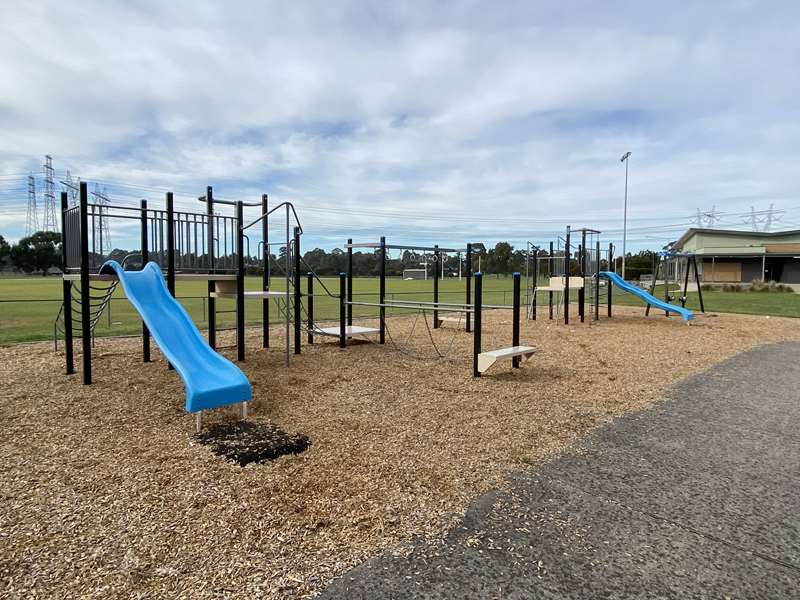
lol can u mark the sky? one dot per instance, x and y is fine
(421, 121)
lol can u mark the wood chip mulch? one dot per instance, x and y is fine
(105, 491)
(245, 442)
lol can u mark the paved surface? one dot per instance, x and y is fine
(698, 497)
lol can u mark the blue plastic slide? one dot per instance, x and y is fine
(211, 380)
(649, 298)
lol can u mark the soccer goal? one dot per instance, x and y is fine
(409, 274)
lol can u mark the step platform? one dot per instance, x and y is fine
(349, 331)
(487, 359)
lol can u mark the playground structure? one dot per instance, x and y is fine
(587, 271)
(205, 246)
(212, 247)
(568, 266)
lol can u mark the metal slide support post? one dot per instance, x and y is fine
(212, 302)
(549, 275)
(349, 281)
(240, 350)
(310, 306)
(66, 289)
(382, 292)
(468, 299)
(566, 278)
(298, 296)
(265, 273)
(697, 281)
(145, 259)
(653, 285)
(86, 329)
(685, 284)
(476, 335)
(515, 319)
(436, 259)
(170, 251)
(597, 282)
(342, 317)
(612, 269)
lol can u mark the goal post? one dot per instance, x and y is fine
(411, 274)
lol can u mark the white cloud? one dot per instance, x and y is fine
(515, 112)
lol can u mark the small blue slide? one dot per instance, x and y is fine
(649, 298)
(211, 380)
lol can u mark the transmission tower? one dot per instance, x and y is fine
(707, 218)
(32, 222)
(766, 218)
(50, 219)
(101, 199)
(72, 187)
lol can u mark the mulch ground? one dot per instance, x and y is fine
(106, 492)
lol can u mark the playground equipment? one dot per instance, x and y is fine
(565, 273)
(482, 361)
(672, 265)
(647, 297)
(211, 380)
(178, 245)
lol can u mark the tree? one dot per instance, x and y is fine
(5, 251)
(37, 252)
(498, 259)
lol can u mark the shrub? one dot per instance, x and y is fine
(769, 286)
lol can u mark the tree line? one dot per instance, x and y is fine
(41, 252)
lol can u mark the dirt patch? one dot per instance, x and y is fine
(246, 442)
(105, 493)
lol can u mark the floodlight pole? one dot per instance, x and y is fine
(624, 159)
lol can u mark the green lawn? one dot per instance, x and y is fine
(29, 305)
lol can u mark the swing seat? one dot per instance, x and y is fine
(487, 359)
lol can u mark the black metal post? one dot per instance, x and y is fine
(265, 273)
(697, 281)
(476, 335)
(86, 329)
(549, 275)
(298, 296)
(468, 299)
(566, 278)
(240, 350)
(382, 292)
(515, 319)
(349, 281)
(66, 289)
(310, 306)
(170, 244)
(685, 284)
(582, 266)
(535, 282)
(145, 243)
(653, 284)
(666, 283)
(436, 259)
(342, 316)
(597, 282)
(212, 302)
(613, 270)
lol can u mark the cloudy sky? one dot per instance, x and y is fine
(423, 122)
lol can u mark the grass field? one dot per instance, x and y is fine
(29, 305)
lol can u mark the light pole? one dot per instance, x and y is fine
(624, 159)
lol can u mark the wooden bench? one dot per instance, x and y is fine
(487, 359)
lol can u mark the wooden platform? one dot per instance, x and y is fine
(487, 359)
(453, 320)
(255, 294)
(349, 330)
(189, 276)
